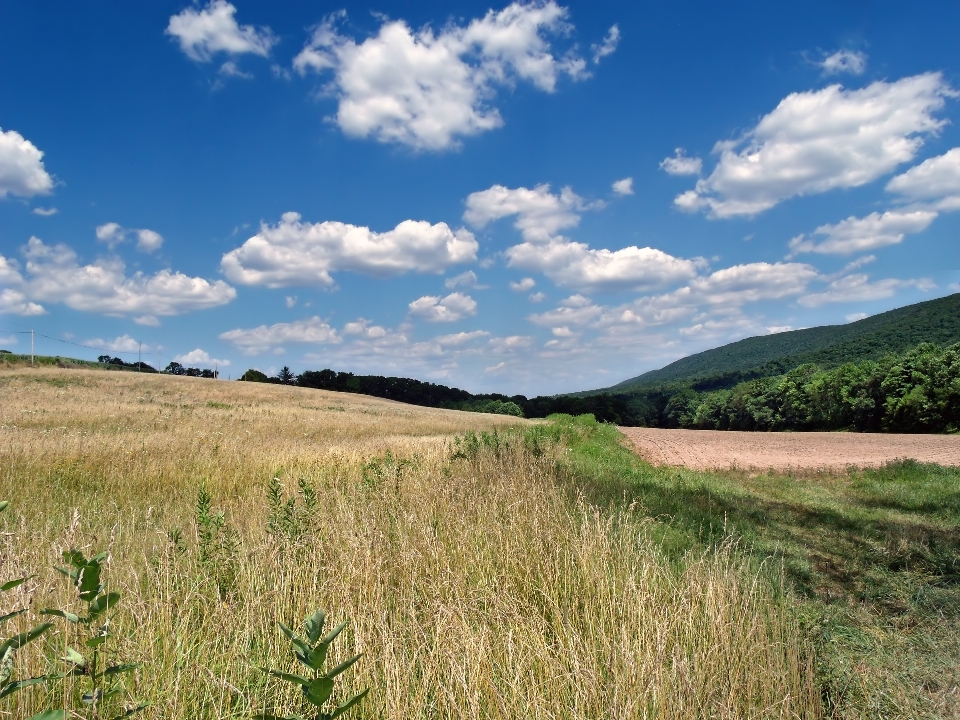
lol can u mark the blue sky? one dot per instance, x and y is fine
(529, 198)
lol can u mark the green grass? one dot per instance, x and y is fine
(871, 558)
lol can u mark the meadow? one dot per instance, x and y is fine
(487, 566)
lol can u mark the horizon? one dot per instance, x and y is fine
(533, 198)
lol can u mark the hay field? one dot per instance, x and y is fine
(475, 582)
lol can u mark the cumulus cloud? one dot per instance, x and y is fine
(428, 89)
(936, 180)
(253, 341)
(510, 344)
(853, 62)
(821, 140)
(112, 234)
(44, 212)
(540, 213)
(680, 164)
(433, 308)
(200, 357)
(21, 167)
(855, 234)
(15, 302)
(467, 280)
(301, 253)
(461, 338)
(537, 297)
(576, 265)
(212, 29)
(608, 46)
(121, 344)
(859, 288)
(623, 187)
(53, 274)
(523, 285)
(575, 310)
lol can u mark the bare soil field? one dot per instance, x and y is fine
(715, 449)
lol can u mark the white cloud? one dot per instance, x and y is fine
(201, 358)
(467, 279)
(427, 89)
(147, 320)
(21, 167)
(776, 329)
(680, 164)
(859, 288)
(231, 69)
(575, 310)
(495, 368)
(290, 301)
(853, 317)
(752, 282)
(298, 253)
(260, 339)
(540, 213)
(523, 285)
(510, 344)
(936, 180)
(203, 33)
(53, 274)
(44, 212)
(123, 343)
(362, 328)
(15, 302)
(855, 234)
(433, 308)
(461, 338)
(112, 234)
(623, 187)
(608, 46)
(821, 140)
(576, 265)
(148, 240)
(537, 297)
(844, 61)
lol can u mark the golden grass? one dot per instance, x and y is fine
(475, 587)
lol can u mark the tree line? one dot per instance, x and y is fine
(917, 391)
(912, 392)
(606, 408)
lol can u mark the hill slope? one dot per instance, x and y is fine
(936, 321)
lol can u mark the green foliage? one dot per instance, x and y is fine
(252, 375)
(102, 687)
(317, 688)
(217, 544)
(292, 519)
(379, 471)
(934, 321)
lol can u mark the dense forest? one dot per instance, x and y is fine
(914, 391)
(911, 392)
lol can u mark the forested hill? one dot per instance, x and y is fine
(935, 321)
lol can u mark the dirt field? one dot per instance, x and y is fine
(711, 449)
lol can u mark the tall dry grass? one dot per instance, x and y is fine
(475, 586)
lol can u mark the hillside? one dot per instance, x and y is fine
(936, 321)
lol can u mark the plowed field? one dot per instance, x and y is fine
(711, 449)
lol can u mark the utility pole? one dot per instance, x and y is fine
(139, 353)
(31, 347)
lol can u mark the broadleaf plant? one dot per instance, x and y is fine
(317, 687)
(103, 680)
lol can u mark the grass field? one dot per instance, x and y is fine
(534, 570)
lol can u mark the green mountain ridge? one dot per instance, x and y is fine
(935, 321)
